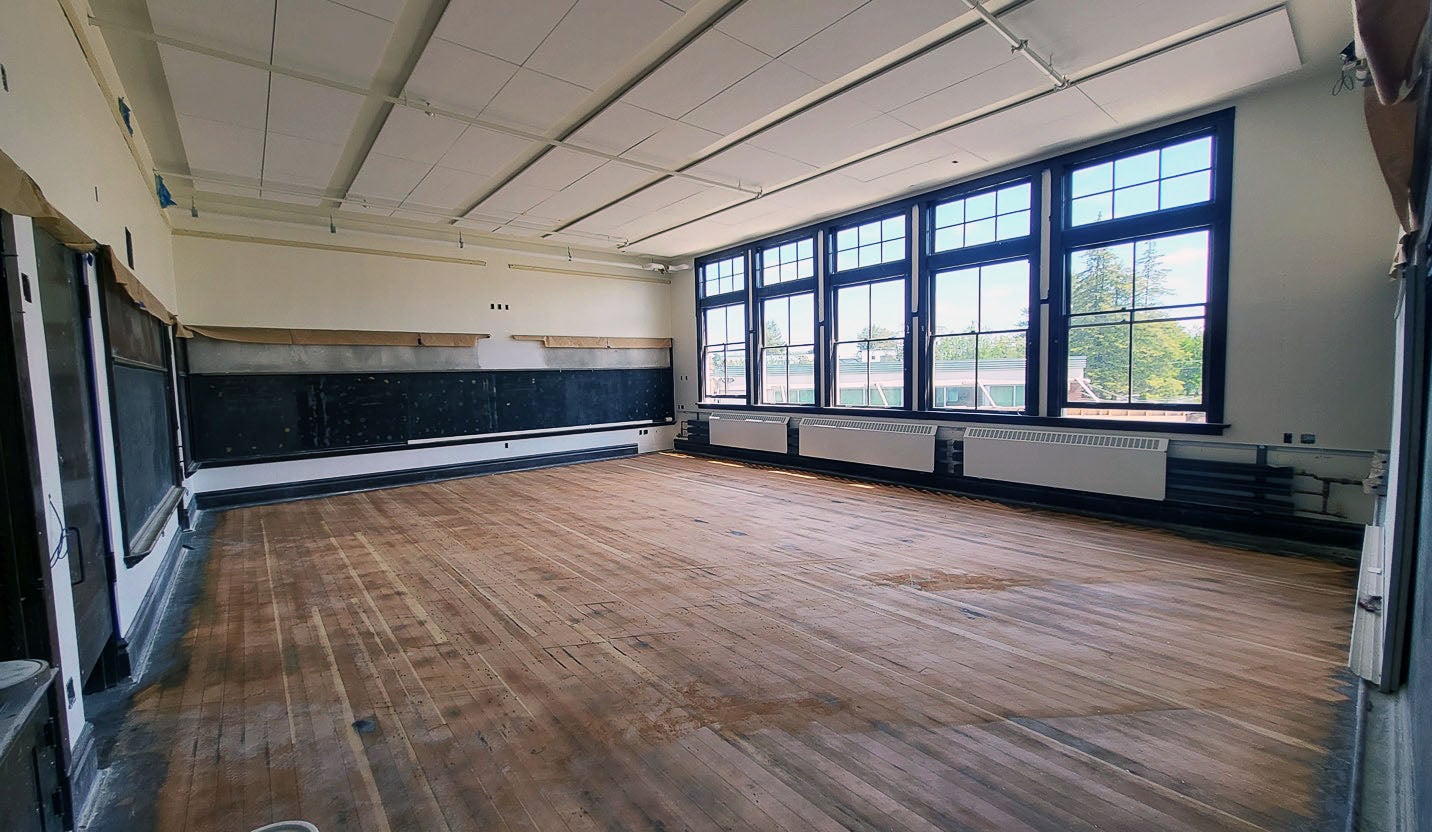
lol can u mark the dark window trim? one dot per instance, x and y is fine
(1214, 215)
(932, 263)
(982, 417)
(902, 270)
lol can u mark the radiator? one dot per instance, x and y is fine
(889, 444)
(1129, 466)
(756, 433)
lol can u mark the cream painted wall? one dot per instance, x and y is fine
(228, 283)
(1311, 327)
(59, 127)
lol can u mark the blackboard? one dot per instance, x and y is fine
(245, 418)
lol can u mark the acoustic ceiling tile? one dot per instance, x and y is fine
(330, 40)
(619, 127)
(291, 199)
(447, 188)
(767, 89)
(1082, 33)
(707, 65)
(357, 206)
(965, 57)
(483, 151)
(674, 145)
(215, 90)
(409, 134)
(598, 36)
(745, 164)
(514, 198)
(869, 32)
(830, 133)
(241, 26)
(916, 153)
(558, 168)
(1012, 78)
(1202, 71)
(310, 111)
(222, 148)
(775, 26)
(291, 160)
(592, 191)
(1028, 128)
(387, 177)
(508, 29)
(386, 9)
(457, 78)
(536, 101)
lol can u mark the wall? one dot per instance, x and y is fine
(58, 126)
(1310, 344)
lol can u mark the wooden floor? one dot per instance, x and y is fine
(672, 643)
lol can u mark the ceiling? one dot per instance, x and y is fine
(665, 127)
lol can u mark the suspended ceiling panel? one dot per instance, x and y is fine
(507, 29)
(619, 128)
(388, 177)
(310, 111)
(763, 91)
(749, 165)
(964, 58)
(1202, 70)
(329, 39)
(534, 100)
(1010, 79)
(591, 191)
(222, 148)
(290, 159)
(705, 67)
(674, 145)
(869, 32)
(409, 134)
(831, 132)
(479, 150)
(242, 26)
(457, 78)
(596, 37)
(776, 26)
(215, 90)
(446, 188)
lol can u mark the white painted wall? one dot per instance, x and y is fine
(228, 283)
(59, 127)
(1311, 326)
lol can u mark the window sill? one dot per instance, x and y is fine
(1016, 420)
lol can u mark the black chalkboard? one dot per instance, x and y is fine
(242, 418)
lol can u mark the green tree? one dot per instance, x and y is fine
(1167, 359)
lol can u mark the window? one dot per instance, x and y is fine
(1142, 290)
(870, 344)
(788, 350)
(870, 244)
(723, 370)
(791, 261)
(981, 333)
(723, 276)
(1140, 183)
(982, 218)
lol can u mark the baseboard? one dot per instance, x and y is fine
(1321, 538)
(286, 492)
(82, 774)
(139, 641)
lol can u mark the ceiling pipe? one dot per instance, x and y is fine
(425, 107)
(1018, 44)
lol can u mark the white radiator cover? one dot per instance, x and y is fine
(1127, 466)
(888, 444)
(755, 433)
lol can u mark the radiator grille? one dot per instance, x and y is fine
(774, 420)
(860, 424)
(1091, 440)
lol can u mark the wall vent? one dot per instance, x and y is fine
(1127, 466)
(888, 444)
(752, 432)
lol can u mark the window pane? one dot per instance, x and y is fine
(715, 325)
(887, 309)
(1099, 364)
(1131, 170)
(805, 249)
(887, 373)
(802, 329)
(852, 308)
(846, 238)
(774, 386)
(1004, 296)
(788, 271)
(1140, 199)
(736, 324)
(893, 229)
(980, 232)
(892, 250)
(950, 213)
(1189, 189)
(954, 371)
(869, 234)
(1187, 156)
(950, 238)
(1092, 180)
(1168, 362)
(801, 372)
(1000, 371)
(1101, 279)
(846, 260)
(957, 301)
(1014, 199)
(776, 313)
(979, 207)
(1096, 208)
(851, 375)
(869, 255)
(725, 372)
(1171, 270)
(1010, 226)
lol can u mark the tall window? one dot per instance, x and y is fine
(785, 292)
(870, 244)
(1139, 289)
(870, 344)
(721, 308)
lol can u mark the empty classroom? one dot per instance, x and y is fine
(774, 415)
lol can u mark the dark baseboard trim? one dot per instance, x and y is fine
(1322, 538)
(82, 774)
(285, 492)
(137, 643)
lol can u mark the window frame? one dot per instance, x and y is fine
(933, 263)
(705, 302)
(834, 281)
(1214, 216)
(760, 293)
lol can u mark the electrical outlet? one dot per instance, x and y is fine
(1287, 439)
(70, 692)
(1309, 439)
